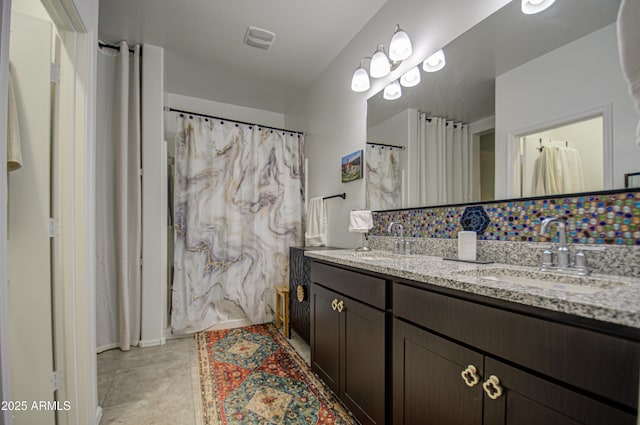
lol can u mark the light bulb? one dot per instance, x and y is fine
(529, 7)
(380, 66)
(411, 77)
(393, 91)
(400, 46)
(435, 62)
(360, 80)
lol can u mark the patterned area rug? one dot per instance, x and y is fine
(252, 375)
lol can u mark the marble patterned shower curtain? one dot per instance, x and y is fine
(238, 209)
(384, 180)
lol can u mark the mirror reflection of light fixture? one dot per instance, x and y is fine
(360, 80)
(435, 62)
(392, 91)
(411, 78)
(400, 46)
(529, 7)
(380, 66)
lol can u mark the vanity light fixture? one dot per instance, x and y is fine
(435, 62)
(529, 7)
(400, 46)
(411, 78)
(393, 91)
(380, 66)
(360, 81)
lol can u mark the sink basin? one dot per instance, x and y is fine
(538, 279)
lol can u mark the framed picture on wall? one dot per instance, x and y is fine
(352, 167)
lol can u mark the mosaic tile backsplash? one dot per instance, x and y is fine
(612, 219)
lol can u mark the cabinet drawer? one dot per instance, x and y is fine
(596, 362)
(362, 287)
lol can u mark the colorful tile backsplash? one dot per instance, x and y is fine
(604, 218)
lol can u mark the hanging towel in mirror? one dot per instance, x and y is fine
(316, 234)
(14, 152)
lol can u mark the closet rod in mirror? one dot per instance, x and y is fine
(180, 111)
(385, 146)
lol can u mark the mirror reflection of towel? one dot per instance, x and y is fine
(14, 152)
(628, 42)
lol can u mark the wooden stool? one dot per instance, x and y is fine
(282, 312)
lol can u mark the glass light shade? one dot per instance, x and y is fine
(529, 7)
(400, 46)
(393, 91)
(411, 78)
(435, 62)
(360, 81)
(380, 66)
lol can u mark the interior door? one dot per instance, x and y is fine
(28, 245)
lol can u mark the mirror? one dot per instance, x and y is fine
(513, 85)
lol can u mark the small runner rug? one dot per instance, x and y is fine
(252, 375)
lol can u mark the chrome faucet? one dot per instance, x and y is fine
(562, 262)
(562, 251)
(401, 246)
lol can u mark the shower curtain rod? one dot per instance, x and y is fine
(180, 111)
(114, 46)
(386, 146)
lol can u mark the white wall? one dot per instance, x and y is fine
(334, 117)
(218, 109)
(30, 301)
(582, 75)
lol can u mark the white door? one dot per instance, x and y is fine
(29, 253)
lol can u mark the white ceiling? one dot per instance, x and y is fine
(203, 40)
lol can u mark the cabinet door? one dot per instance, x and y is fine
(428, 388)
(530, 400)
(363, 361)
(325, 336)
(299, 275)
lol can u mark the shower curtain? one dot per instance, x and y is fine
(444, 158)
(238, 208)
(118, 199)
(384, 180)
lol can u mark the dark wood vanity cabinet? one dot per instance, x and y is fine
(348, 338)
(459, 362)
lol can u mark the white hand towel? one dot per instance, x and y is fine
(628, 42)
(14, 152)
(316, 234)
(360, 221)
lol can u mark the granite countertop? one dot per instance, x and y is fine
(612, 299)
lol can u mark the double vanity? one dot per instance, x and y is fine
(415, 339)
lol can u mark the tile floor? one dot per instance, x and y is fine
(156, 385)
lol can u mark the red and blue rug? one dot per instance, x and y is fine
(252, 375)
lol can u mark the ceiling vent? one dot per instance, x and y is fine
(257, 37)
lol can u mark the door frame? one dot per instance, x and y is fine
(77, 236)
(606, 111)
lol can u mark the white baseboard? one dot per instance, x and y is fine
(151, 343)
(107, 347)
